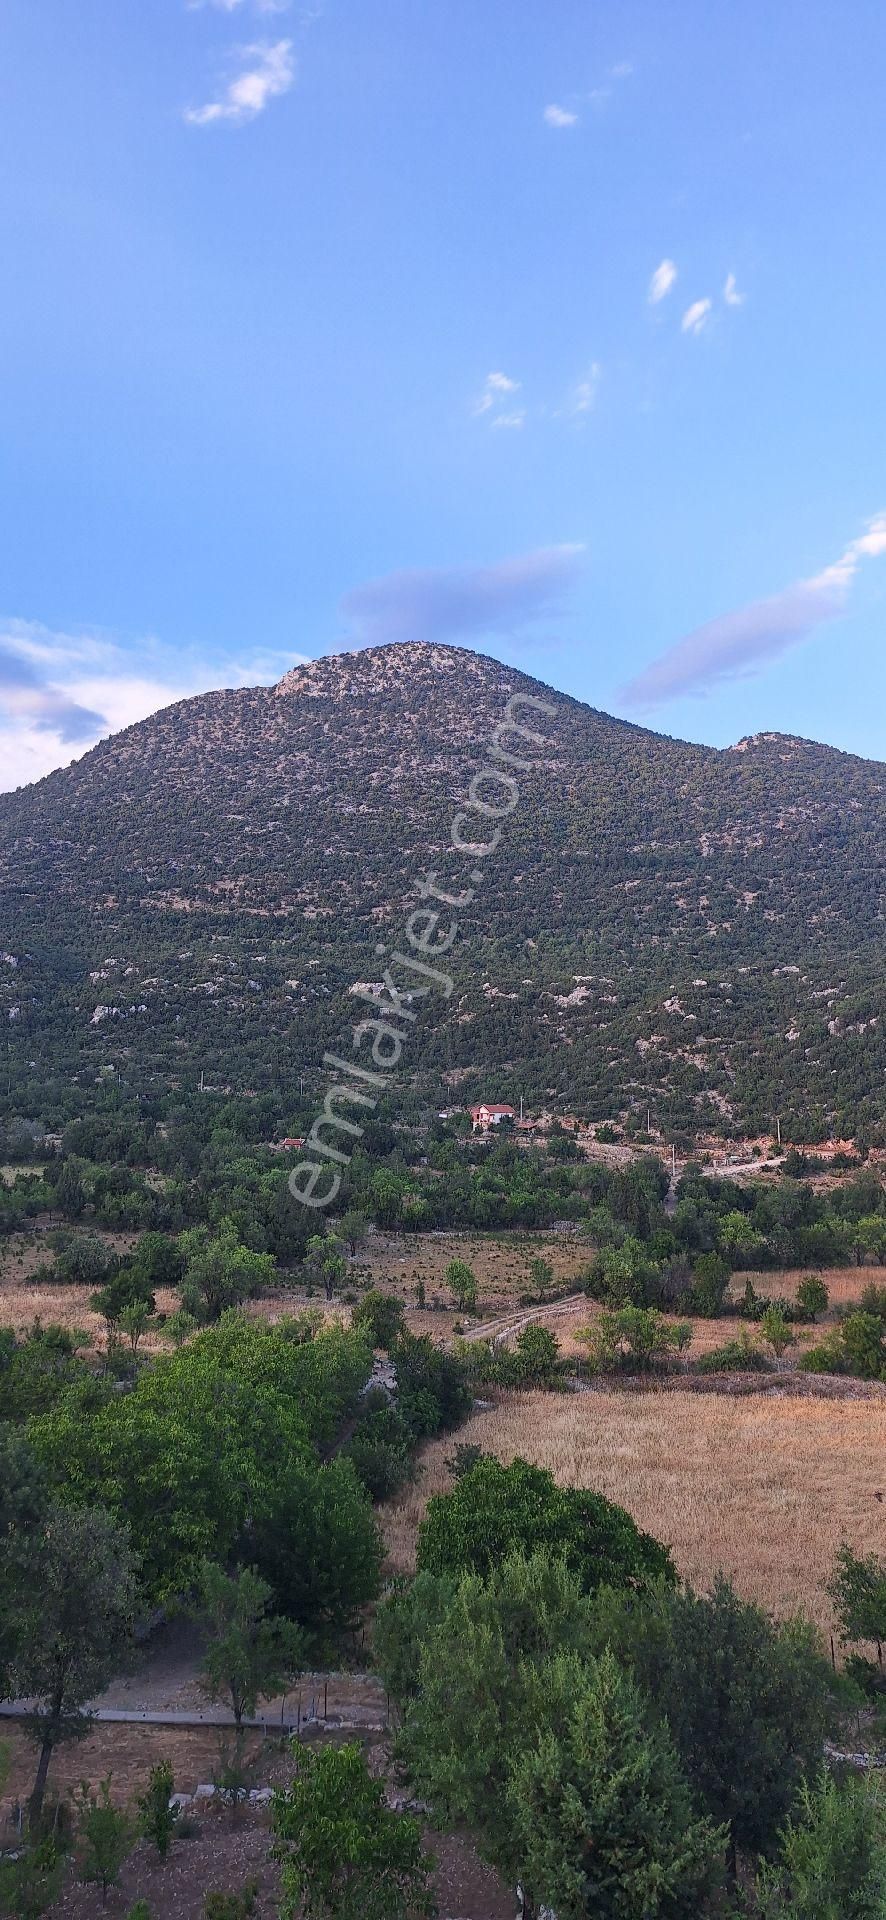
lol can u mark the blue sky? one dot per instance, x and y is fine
(555, 330)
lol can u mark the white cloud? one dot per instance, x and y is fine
(696, 317)
(60, 693)
(731, 294)
(584, 397)
(560, 116)
(515, 419)
(662, 281)
(622, 70)
(497, 388)
(267, 72)
(739, 643)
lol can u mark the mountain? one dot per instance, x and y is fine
(661, 924)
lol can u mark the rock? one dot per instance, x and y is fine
(180, 1801)
(204, 1793)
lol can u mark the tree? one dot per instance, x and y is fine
(30, 1883)
(325, 1262)
(634, 1339)
(462, 1283)
(126, 1296)
(22, 1506)
(104, 1836)
(343, 1854)
(77, 1628)
(603, 1814)
(537, 1352)
(858, 1590)
(250, 1653)
(353, 1229)
(710, 1278)
(220, 1272)
(812, 1296)
(158, 1816)
(776, 1330)
(320, 1547)
(831, 1861)
(747, 1701)
(493, 1509)
(381, 1317)
(541, 1274)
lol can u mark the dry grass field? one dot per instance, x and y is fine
(761, 1488)
(500, 1262)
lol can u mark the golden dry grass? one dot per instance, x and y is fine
(501, 1263)
(760, 1488)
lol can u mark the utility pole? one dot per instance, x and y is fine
(778, 1127)
(521, 1106)
(673, 1161)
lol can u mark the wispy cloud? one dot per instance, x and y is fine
(60, 693)
(662, 281)
(738, 644)
(267, 69)
(463, 603)
(584, 397)
(696, 317)
(560, 116)
(496, 401)
(731, 294)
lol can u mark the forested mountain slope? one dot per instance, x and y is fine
(662, 923)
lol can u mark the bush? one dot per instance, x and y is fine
(812, 1296)
(231, 1906)
(493, 1510)
(380, 1316)
(158, 1819)
(537, 1354)
(634, 1340)
(736, 1356)
(710, 1278)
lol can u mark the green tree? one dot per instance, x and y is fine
(537, 1354)
(541, 1274)
(158, 1818)
(812, 1296)
(462, 1283)
(76, 1631)
(858, 1590)
(325, 1262)
(23, 1498)
(831, 1862)
(353, 1229)
(104, 1835)
(493, 1509)
(603, 1815)
(250, 1653)
(30, 1884)
(381, 1316)
(220, 1272)
(776, 1330)
(343, 1854)
(710, 1278)
(747, 1701)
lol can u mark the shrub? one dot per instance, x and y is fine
(710, 1278)
(812, 1296)
(158, 1819)
(380, 1316)
(493, 1510)
(634, 1340)
(537, 1354)
(736, 1356)
(104, 1836)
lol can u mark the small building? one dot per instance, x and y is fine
(486, 1116)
